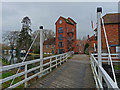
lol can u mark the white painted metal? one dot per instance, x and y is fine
(56, 62)
(26, 75)
(99, 43)
(109, 52)
(9, 67)
(50, 64)
(41, 50)
(94, 47)
(25, 56)
(108, 80)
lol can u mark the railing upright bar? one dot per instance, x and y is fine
(50, 64)
(60, 59)
(26, 75)
(56, 61)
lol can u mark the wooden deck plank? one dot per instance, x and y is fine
(76, 73)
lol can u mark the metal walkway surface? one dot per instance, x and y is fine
(75, 73)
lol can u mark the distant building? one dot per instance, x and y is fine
(49, 46)
(112, 27)
(65, 35)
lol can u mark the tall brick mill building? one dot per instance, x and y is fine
(65, 35)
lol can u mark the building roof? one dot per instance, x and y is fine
(72, 20)
(50, 41)
(68, 20)
(112, 18)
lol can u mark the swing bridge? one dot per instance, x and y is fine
(62, 71)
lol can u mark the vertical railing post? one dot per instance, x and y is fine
(63, 59)
(25, 75)
(99, 11)
(50, 64)
(41, 49)
(56, 61)
(60, 59)
(66, 57)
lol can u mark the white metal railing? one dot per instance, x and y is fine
(108, 80)
(56, 59)
(105, 56)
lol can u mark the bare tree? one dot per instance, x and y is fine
(46, 34)
(10, 38)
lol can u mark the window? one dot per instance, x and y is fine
(60, 37)
(47, 46)
(67, 29)
(60, 51)
(60, 44)
(60, 30)
(52, 46)
(60, 22)
(73, 30)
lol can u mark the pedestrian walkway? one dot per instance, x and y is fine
(75, 73)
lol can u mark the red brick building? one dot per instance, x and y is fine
(49, 46)
(65, 35)
(112, 27)
(80, 45)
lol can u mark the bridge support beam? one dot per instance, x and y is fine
(99, 11)
(41, 49)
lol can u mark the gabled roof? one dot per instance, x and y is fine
(112, 18)
(71, 21)
(67, 20)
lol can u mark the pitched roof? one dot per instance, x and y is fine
(67, 21)
(72, 20)
(50, 41)
(111, 18)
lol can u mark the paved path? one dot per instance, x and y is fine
(76, 73)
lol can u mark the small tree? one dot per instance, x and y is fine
(86, 48)
(24, 39)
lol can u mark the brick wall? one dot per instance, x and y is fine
(112, 35)
(49, 49)
(64, 24)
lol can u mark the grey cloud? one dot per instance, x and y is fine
(47, 13)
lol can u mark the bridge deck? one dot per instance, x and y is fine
(76, 73)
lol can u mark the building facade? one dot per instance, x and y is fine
(65, 35)
(49, 46)
(112, 27)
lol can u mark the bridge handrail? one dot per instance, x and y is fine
(27, 62)
(108, 80)
(107, 54)
(63, 57)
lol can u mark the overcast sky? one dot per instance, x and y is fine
(47, 13)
